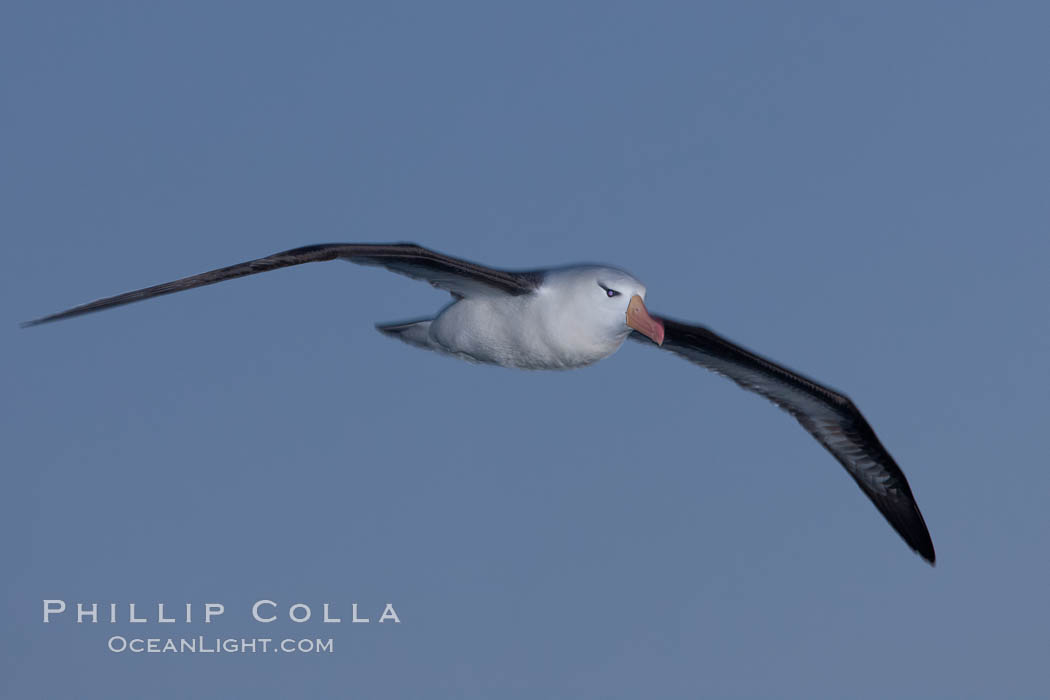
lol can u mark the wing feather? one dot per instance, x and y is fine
(829, 416)
(460, 277)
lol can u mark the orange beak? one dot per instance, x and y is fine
(639, 319)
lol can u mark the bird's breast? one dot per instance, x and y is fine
(517, 332)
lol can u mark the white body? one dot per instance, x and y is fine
(569, 321)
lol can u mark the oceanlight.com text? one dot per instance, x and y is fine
(218, 645)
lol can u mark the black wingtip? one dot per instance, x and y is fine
(927, 553)
(45, 319)
(918, 538)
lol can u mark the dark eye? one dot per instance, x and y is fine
(609, 292)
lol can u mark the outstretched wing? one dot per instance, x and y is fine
(828, 415)
(460, 277)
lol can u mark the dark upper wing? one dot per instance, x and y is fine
(828, 415)
(459, 277)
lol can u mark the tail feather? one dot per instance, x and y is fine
(414, 332)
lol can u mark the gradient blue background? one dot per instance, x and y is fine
(861, 192)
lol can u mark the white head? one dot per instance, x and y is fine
(602, 305)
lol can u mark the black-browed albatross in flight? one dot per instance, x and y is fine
(573, 316)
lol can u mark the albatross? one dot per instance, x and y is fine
(567, 317)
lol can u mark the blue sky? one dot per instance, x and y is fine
(857, 191)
